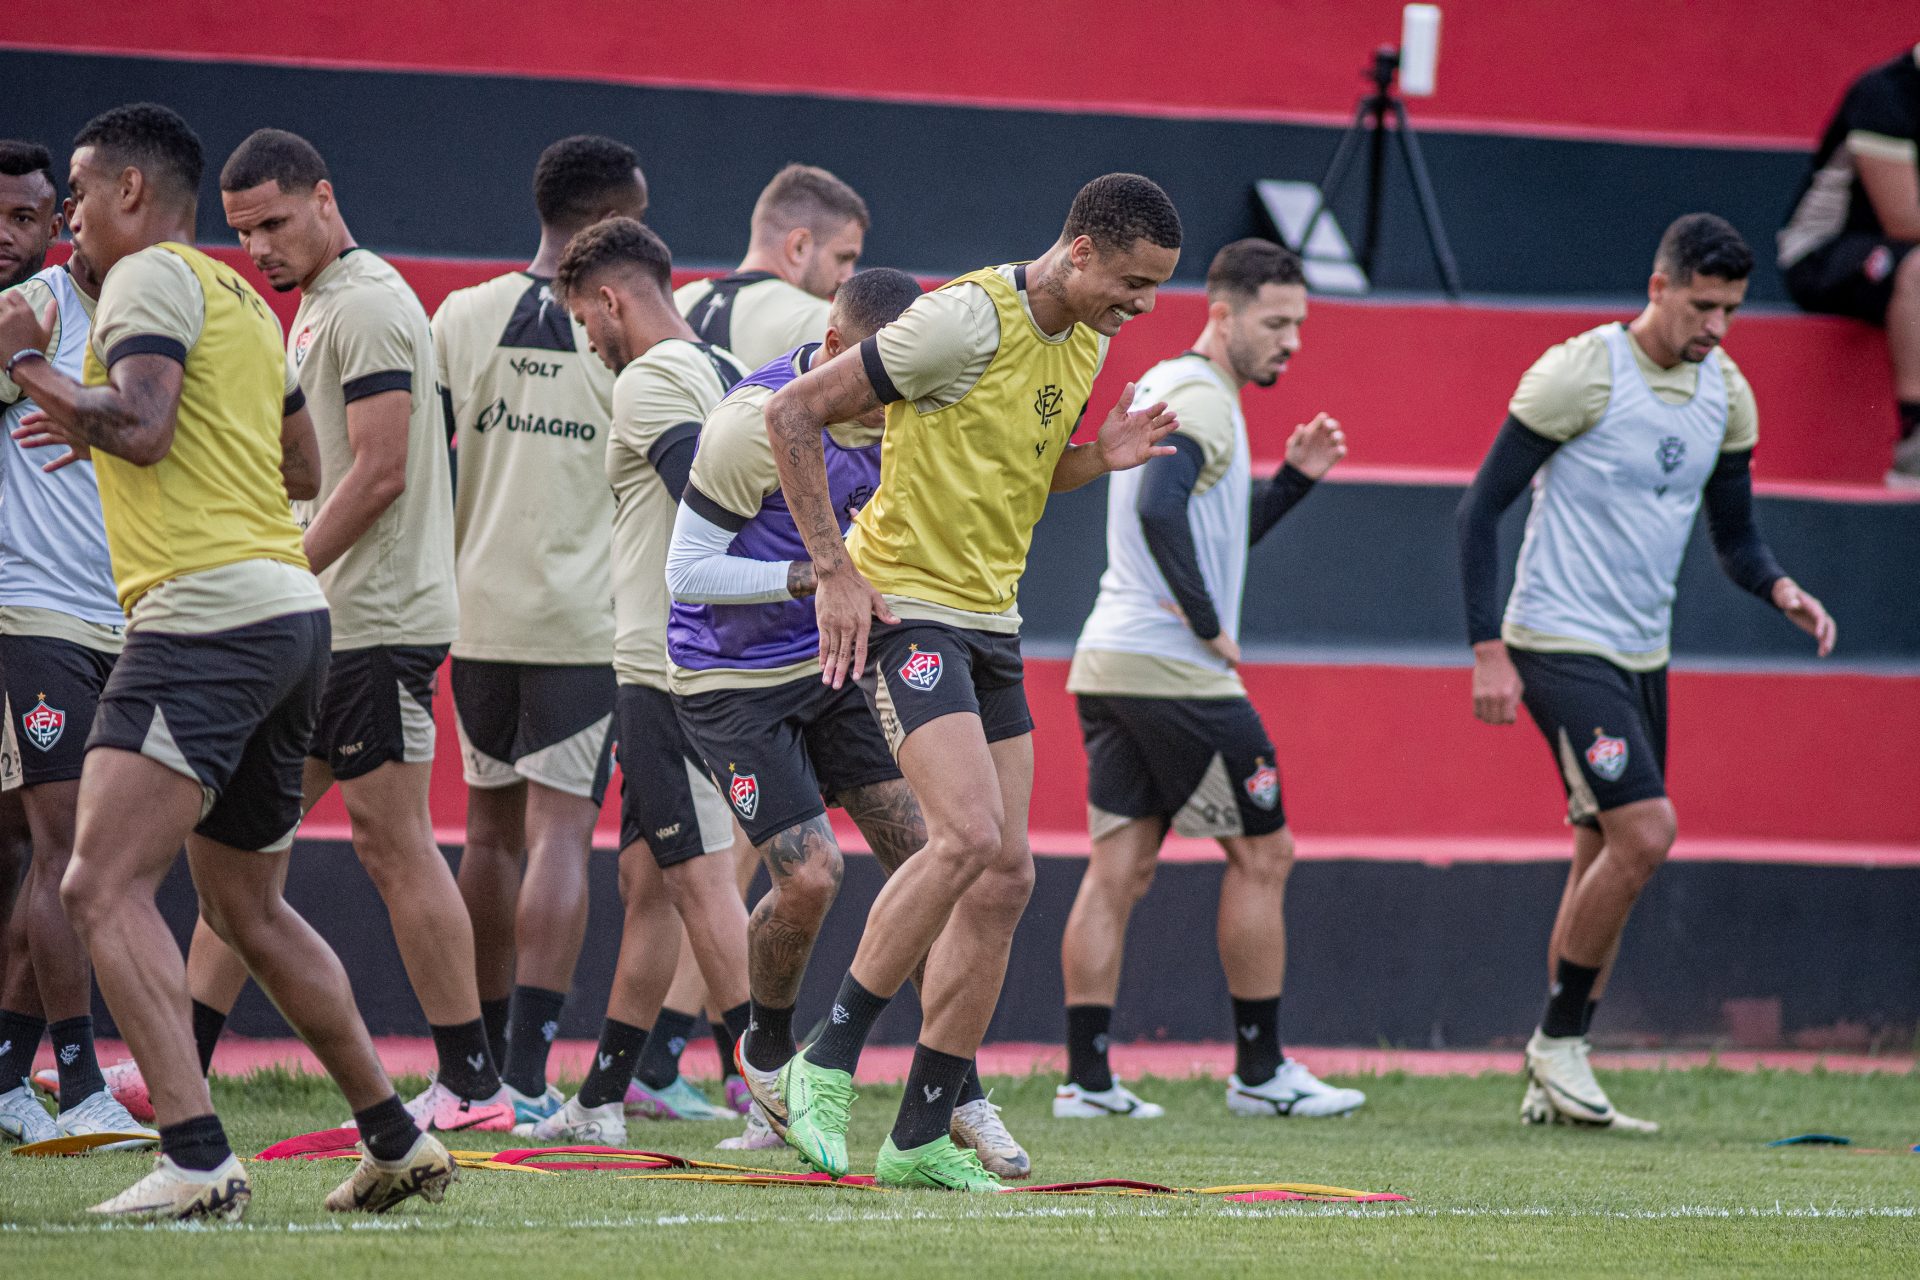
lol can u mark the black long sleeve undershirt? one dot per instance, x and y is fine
(672, 456)
(1743, 554)
(1165, 489)
(1518, 451)
(1272, 499)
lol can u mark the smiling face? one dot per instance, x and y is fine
(286, 233)
(1109, 287)
(1691, 319)
(28, 224)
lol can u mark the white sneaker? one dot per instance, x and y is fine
(1537, 1108)
(172, 1192)
(1559, 1066)
(602, 1126)
(765, 1088)
(758, 1136)
(375, 1186)
(102, 1113)
(22, 1118)
(1071, 1102)
(978, 1125)
(1293, 1091)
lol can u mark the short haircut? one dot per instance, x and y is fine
(1703, 244)
(614, 244)
(802, 195)
(273, 155)
(872, 299)
(1115, 210)
(19, 159)
(151, 138)
(576, 175)
(1242, 267)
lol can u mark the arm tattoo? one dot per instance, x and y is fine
(889, 817)
(836, 392)
(130, 419)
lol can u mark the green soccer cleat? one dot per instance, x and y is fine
(939, 1165)
(818, 1100)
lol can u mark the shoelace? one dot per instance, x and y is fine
(832, 1096)
(992, 1128)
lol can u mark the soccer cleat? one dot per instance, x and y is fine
(102, 1113)
(1536, 1109)
(377, 1185)
(527, 1112)
(22, 1117)
(1072, 1102)
(940, 1165)
(124, 1082)
(443, 1109)
(602, 1126)
(1558, 1066)
(758, 1136)
(977, 1126)
(764, 1086)
(1293, 1091)
(739, 1097)
(172, 1192)
(818, 1101)
(678, 1101)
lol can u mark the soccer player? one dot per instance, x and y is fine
(533, 679)
(616, 278)
(983, 381)
(198, 436)
(1630, 427)
(380, 536)
(1172, 740)
(746, 665)
(807, 232)
(60, 630)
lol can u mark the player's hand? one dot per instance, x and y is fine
(1225, 648)
(38, 430)
(21, 329)
(845, 605)
(1806, 613)
(1496, 684)
(1316, 446)
(1130, 436)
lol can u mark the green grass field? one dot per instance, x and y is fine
(1488, 1194)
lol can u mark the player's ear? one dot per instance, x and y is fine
(1080, 252)
(831, 345)
(799, 241)
(1657, 286)
(1219, 311)
(323, 193)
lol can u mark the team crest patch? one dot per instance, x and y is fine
(1607, 756)
(301, 345)
(744, 792)
(1263, 785)
(44, 724)
(921, 670)
(1673, 452)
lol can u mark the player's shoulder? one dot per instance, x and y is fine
(489, 295)
(1728, 366)
(691, 292)
(37, 289)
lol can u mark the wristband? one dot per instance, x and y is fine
(18, 356)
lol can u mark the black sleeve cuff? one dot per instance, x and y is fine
(373, 384)
(877, 372)
(666, 440)
(148, 344)
(293, 403)
(709, 510)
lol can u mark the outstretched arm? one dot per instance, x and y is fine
(1517, 453)
(1126, 439)
(1312, 450)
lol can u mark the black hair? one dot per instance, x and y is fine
(1703, 244)
(1115, 210)
(612, 244)
(273, 155)
(802, 195)
(19, 159)
(871, 300)
(1242, 267)
(151, 138)
(576, 175)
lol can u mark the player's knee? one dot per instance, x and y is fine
(85, 897)
(1272, 856)
(1644, 839)
(970, 846)
(810, 886)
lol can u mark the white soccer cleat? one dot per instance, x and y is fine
(441, 1108)
(1558, 1066)
(978, 1125)
(758, 1136)
(172, 1192)
(376, 1186)
(764, 1086)
(1293, 1091)
(102, 1113)
(602, 1126)
(1536, 1108)
(1071, 1102)
(22, 1118)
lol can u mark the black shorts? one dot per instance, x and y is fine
(51, 689)
(667, 797)
(378, 708)
(525, 722)
(1852, 276)
(1606, 727)
(785, 752)
(233, 709)
(919, 671)
(1205, 765)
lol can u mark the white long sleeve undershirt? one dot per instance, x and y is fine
(699, 570)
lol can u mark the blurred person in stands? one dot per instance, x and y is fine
(1847, 248)
(1624, 432)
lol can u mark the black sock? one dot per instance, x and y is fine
(1566, 1013)
(660, 1060)
(1087, 1046)
(769, 1036)
(727, 1032)
(199, 1143)
(208, 1023)
(535, 1022)
(1909, 418)
(494, 1014)
(73, 1056)
(845, 1035)
(933, 1088)
(19, 1040)
(1256, 1040)
(1586, 1017)
(465, 1065)
(970, 1090)
(621, 1045)
(386, 1129)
